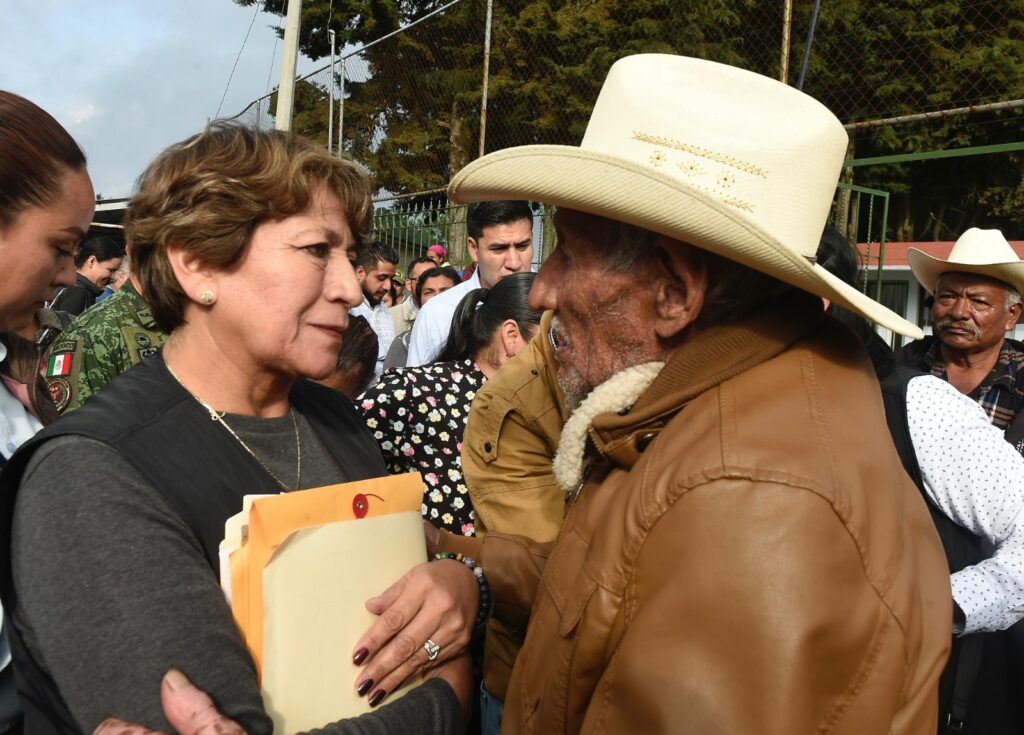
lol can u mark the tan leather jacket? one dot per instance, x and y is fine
(510, 440)
(748, 555)
(511, 437)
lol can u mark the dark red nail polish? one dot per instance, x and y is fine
(359, 656)
(364, 686)
(377, 697)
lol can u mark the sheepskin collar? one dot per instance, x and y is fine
(616, 394)
(626, 412)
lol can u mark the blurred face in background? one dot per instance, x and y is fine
(376, 283)
(118, 280)
(100, 272)
(414, 275)
(433, 286)
(970, 313)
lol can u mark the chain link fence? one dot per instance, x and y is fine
(894, 59)
(414, 98)
(472, 76)
(549, 61)
(312, 111)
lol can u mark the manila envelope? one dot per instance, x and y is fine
(273, 519)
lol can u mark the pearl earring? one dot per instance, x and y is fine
(208, 297)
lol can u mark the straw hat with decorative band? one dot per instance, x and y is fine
(985, 252)
(724, 159)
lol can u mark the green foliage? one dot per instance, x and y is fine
(886, 58)
(549, 59)
(412, 115)
(309, 117)
(412, 104)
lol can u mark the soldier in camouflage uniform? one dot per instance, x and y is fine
(99, 345)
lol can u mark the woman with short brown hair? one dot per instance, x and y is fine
(243, 241)
(206, 195)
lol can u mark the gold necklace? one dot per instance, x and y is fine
(218, 417)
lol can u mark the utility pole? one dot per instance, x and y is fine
(341, 106)
(289, 59)
(787, 29)
(486, 81)
(330, 104)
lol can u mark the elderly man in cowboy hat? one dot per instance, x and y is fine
(742, 551)
(977, 300)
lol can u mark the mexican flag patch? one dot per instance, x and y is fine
(59, 365)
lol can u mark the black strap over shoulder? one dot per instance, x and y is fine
(967, 667)
(963, 548)
(1015, 432)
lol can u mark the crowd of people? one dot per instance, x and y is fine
(674, 481)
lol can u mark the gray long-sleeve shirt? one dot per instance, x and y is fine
(113, 590)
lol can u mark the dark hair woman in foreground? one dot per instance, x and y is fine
(418, 415)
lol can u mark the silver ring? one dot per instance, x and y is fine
(432, 649)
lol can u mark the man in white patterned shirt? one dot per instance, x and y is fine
(375, 268)
(973, 482)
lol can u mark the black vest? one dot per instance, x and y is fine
(196, 465)
(982, 682)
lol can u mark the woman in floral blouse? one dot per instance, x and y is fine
(418, 415)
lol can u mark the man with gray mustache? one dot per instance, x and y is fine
(977, 293)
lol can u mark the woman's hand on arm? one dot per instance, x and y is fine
(435, 601)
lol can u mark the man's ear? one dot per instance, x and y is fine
(360, 274)
(680, 287)
(1014, 314)
(193, 275)
(474, 249)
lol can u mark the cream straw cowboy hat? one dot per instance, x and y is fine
(985, 252)
(715, 156)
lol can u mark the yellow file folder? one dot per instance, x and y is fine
(298, 569)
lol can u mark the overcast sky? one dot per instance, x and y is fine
(129, 77)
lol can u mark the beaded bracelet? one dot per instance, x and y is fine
(486, 606)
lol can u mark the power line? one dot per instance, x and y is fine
(235, 66)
